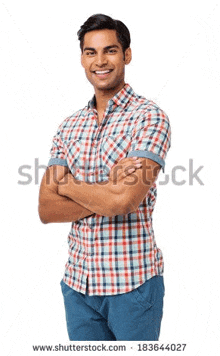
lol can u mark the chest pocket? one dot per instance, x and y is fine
(72, 156)
(113, 149)
(80, 160)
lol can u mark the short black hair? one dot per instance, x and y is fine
(101, 22)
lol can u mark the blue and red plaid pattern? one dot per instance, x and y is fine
(112, 254)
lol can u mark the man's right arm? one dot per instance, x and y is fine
(54, 207)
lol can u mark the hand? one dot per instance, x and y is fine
(123, 168)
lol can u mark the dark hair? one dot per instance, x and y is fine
(100, 22)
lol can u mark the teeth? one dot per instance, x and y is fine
(102, 71)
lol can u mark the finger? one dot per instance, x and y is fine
(135, 160)
(129, 171)
(124, 167)
(138, 165)
(130, 162)
(128, 159)
(135, 165)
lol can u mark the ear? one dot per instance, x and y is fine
(128, 55)
(82, 61)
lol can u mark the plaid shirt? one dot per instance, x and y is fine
(112, 254)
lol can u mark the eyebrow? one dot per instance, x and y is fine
(93, 49)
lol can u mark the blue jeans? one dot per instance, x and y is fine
(132, 316)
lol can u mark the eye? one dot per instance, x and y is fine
(89, 53)
(112, 50)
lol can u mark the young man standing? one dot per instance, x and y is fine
(101, 177)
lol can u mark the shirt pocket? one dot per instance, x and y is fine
(80, 160)
(113, 149)
(72, 156)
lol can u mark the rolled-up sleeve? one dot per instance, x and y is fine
(151, 137)
(58, 151)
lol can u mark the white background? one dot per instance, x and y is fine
(175, 62)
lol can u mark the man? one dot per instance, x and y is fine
(101, 177)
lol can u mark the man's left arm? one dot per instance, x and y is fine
(150, 143)
(115, 196)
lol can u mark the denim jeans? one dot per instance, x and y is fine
(132, 316)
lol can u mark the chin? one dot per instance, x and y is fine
(104, 86)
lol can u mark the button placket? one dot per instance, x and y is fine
(90, 233)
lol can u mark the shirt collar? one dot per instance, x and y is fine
(120, 99)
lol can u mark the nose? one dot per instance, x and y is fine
(101, 60)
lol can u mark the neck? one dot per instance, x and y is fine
(103, 96)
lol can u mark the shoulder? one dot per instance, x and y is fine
(147, 111)
(70, 122)
(140, 105)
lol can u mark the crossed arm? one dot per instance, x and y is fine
(54, 207)
(64, 199)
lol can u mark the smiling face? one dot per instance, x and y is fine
(104, 60)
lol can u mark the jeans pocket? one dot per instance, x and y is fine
(149, 292)
(141, 301)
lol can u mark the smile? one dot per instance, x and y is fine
(102, 73)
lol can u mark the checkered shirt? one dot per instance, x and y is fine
(112, 255)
